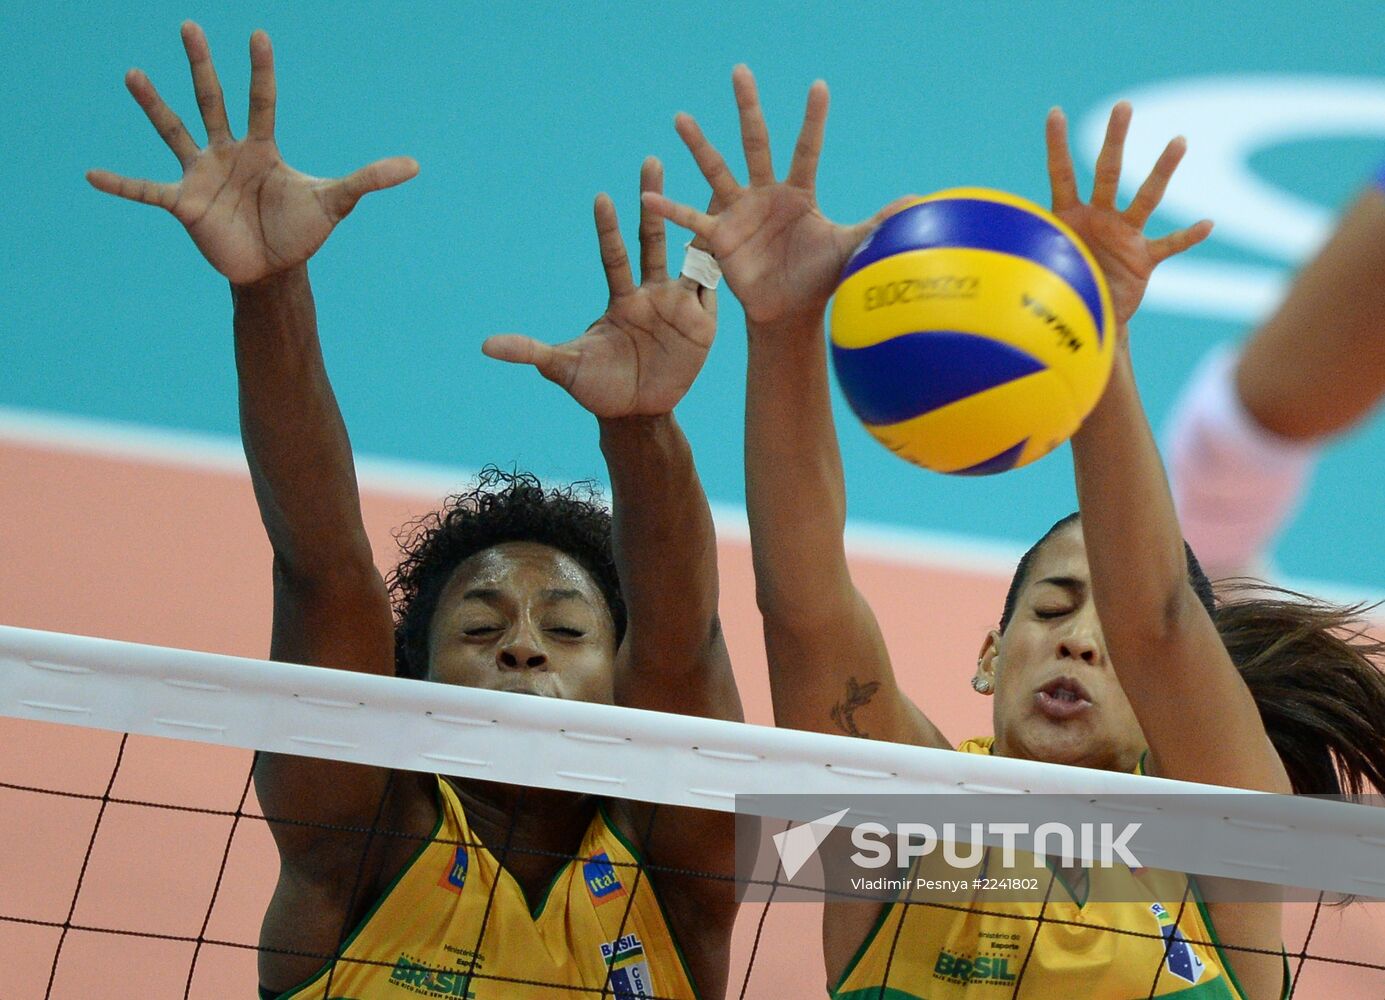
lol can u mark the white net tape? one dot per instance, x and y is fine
(647, 756)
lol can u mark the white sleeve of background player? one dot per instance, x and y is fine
(1234, 483)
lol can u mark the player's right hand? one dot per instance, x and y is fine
(780, 255)
(249, 212)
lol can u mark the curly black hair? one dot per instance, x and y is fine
(502, 507)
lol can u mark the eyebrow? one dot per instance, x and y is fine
(481, 594)
(552, 594)
(566, 595)
(1070, 583)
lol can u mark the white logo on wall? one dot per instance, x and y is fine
(1227, 120)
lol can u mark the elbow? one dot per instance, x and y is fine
(355, 580)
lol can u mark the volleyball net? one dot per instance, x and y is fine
(135, 860)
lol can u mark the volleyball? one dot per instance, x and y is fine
(972, 332)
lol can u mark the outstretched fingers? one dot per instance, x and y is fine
(754, 131)
(1108, 161)
(1151, 192)
(1175, 243)
(339, 197)
(1062, 178)
(205, 84)
(134, 189)
(803, 170)
(517, 349)
(653, 240)
(262, 88)
(169, 126)
(689, 218)
(709, 161)
(614, 259)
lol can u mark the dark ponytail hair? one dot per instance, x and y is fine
(1315, 675)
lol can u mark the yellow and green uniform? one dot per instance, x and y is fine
(974, 947)
(595, 918)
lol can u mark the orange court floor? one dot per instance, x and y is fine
(158, 549)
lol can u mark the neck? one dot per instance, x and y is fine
(532, 817)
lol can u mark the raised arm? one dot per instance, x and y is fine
(829, 669)
(257, 221)
(629, 369)
(1194, 708)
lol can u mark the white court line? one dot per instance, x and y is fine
(214, 453)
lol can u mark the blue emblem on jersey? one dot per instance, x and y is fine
(602, 881)
(1179, 957)
(454, 875)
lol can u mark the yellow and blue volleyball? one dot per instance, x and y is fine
(972, 332)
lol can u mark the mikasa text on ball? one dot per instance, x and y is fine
(972, 332)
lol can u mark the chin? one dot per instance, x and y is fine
(1063, 745)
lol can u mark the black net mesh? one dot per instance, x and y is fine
(132, 866)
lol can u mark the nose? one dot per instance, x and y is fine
(520, 652)
(1081, 645)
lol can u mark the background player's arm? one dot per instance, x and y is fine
(1318, 364)
(257, 221)
(1194, 708)
(630, 369)
(1249, 425)
(829, 669)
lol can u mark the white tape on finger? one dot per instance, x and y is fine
(701, 267)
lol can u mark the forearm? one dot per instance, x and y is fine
(664, 541)
(295, 441)
(828, 665)
(1195, 710)
(1329, 331)
(1134, 544)
(795, 489)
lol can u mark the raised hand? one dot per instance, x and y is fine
(642, 355)
(1117, 238)
(779, 253)
(249, 212)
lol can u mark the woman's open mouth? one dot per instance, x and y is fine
(1062, 698)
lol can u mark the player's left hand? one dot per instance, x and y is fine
(1116, 238)
(642, 355)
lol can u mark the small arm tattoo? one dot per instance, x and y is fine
(857, 696)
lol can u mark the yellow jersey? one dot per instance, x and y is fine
(598, 919)
(975, 948)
